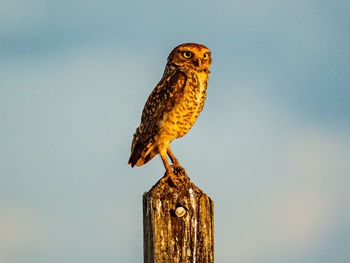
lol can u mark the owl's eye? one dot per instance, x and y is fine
(187, 54)
(206, 56)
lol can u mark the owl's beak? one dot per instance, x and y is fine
(197, 62)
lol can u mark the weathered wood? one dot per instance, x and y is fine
(178, 223)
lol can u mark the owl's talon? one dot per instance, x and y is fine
(170, 178)
(175, 166)
(179, 170)
(176, 163)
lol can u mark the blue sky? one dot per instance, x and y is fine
(271, 147)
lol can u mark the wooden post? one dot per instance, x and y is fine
(178, 222)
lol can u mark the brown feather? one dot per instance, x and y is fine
(166, 94)
(174, 104)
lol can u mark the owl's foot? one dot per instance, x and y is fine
(181, 175)
(174, 167)
(178, 170)
(176, 177)
(170, 178)
(175, 163)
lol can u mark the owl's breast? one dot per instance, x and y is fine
(179, 120)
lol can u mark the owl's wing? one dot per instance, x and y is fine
(163, 98)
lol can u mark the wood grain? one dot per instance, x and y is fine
(172, 235)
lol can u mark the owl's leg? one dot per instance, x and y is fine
(169, 176)
(178, 170)
(172, 156)
(165, 162)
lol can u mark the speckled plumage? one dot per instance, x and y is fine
(174, 104)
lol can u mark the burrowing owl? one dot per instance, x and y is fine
(173, 106)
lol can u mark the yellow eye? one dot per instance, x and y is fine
(206, 56)
(187, 54)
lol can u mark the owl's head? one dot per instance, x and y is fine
(191, 55)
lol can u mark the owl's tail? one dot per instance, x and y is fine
(142, 154)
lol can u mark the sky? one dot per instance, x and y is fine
(271, 147)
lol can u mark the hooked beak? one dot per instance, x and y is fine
(197, 62)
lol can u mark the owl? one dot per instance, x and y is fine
(173, 106)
